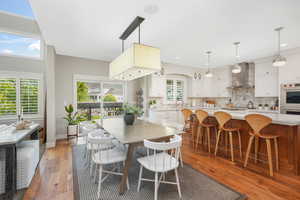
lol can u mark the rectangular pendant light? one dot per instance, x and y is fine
(137, 61)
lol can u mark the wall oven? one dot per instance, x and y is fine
(290, 99)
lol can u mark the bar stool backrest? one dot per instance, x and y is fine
(172, 147)
(186, 114)
(201, 115)
(222, 118)
(257, 122)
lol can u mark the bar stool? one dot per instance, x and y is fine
(186, 116)
(223, 118)
(257, 122)
(202, 117)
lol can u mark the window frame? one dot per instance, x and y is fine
(25, 75)
(25, 35)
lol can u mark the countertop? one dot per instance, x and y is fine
(277, 118)
(16, 136)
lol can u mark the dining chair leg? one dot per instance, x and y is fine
(256, 148)
(269, 156)
(156, 186)
(100, 180)
(140, 178)
(240, 144)
(208, 139)
(231, 146)
(178, 183)
(248, 150)
(217, 142)
(95, 172)
(91, 169)
(180, 157)
(276, 153)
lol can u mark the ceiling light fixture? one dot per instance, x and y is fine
(279, 60)
(208, 73)
(137, 61)
(237, 68)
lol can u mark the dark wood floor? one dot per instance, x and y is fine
(53, 179)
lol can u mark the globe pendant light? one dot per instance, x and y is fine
(236, 68)
(208, 73)
(279, 60)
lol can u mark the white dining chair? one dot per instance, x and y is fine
(103, 155)
(164, 158)
(88, 146)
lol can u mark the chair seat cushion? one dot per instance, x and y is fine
(231, 129)
(161, 162)
(206, 125)
(110, 156)
(265, 135)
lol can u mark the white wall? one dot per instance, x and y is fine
(290, 72)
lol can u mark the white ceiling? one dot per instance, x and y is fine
(183, 30)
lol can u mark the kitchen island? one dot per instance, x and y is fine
(287, 126)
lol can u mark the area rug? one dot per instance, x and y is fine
(194, 185)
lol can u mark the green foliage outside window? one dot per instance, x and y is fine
(109, 98)
(82, 92)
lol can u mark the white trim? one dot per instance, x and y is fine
(17, 15)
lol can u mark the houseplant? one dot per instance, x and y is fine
(73, 119)
(152, 103)
(130, 113)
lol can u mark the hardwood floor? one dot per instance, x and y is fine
(53, 179)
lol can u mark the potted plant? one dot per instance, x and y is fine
(72, 119)
(152, 103)
(130, 113)
(260, 106)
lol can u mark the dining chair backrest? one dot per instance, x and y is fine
(222, 118)
(172, 148)
(101, 143)
(201, 115)
(257, 122)
(186, 114)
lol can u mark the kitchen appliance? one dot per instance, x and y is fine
(244, 79)
(290, 98)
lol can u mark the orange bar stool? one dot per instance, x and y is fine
(187, 118)
(202, 117)
(223, 118)
(257, 122)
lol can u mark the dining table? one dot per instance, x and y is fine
(134, 136)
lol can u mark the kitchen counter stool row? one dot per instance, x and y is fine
(223, 127)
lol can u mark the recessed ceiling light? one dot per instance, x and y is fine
(283, 44)
(151, 9)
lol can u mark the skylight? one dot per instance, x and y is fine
(19, 7)
(19, 46)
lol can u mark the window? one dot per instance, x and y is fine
(175, 90)
(91, 95)
(16, 45)
(19, 7)
(20, 94)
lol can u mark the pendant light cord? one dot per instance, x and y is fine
(279, 42)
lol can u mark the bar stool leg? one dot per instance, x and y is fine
(240, 143)
(199, 134)
(217, 142)
(256, 148)
(248, 150)
(208, 138)
(231, 146)
(269, 156)
(276, 153)
(226, 143)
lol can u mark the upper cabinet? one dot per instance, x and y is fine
(156, 86)
(266, 80)
(215, 86)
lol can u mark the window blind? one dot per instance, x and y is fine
(179, 90)
(29, 96)
(8, 97)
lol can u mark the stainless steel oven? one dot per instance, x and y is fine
(290, 99)
(290, 111)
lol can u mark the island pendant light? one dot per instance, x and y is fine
(236, 68)
(208, 73)
(137, 61)
(279, 60)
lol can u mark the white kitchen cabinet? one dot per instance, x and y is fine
(157, 85)
(266, 80)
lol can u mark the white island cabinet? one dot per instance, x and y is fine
(266, 80)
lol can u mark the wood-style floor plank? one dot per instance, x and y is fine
(53, 179)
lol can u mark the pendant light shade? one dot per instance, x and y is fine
(208, 73)
(279, 60)
(236, 68)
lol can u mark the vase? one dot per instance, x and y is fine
(72, 130)
(129, 118)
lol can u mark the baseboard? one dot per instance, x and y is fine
(50, 144)
(61, 136)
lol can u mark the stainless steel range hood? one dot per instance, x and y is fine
(244, 79)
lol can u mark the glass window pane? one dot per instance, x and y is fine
(113, 92)
(11, 44)
(19, 7)
(8, 98)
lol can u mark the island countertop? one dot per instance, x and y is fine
(277, 118)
